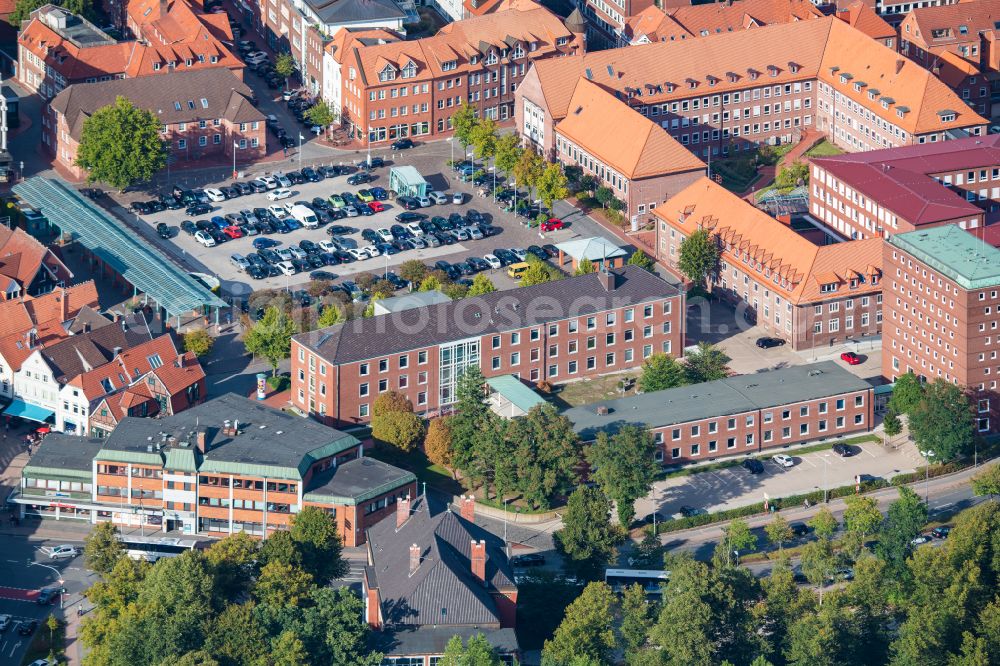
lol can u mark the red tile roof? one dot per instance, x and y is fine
(859, 15)
(43, 314)
(22, 256)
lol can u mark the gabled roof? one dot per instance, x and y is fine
(952, 68)
(958, 22)
(860, 15)
(181, 23)
(345, 38)
(129, 367)
(637, 148)
(22, 256)
(82, 353)
(443, 579)
(45, 316)
(345, 12)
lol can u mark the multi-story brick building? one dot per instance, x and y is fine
(205, 115)
(57, 49)
(735, 91)
(641, 163)
(811, 295)
(584, 326)
(740, 415)
(884, 192)
(960, 43)
(941, 300)
(228, 465)
(411, 88)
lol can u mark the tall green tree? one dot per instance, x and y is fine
(585, 267)
(237, 637)
(288, 650)
(271, 337)
(942, 421)
(736, 537)
(642, 260)
(903, 521)
(477, 651)
(587, 538)
(891, 424)
(552, 185)
(661, 371)
(699, 257)
(481, 284)
(321, 114)
(394, 422)
(484, 138)
(861, 519)
(636, 620)
(463, 122)
(472, 416)
(102, 548)
(778, 531)
(315, 533)
(236, 563)
(529, 169)
(706, 363)
(824, 524)
(624, 467)
(331, 315)
(587, 630)
(546, 451)
(121, 145)
(907, 392)
(507, 152)
(538, 272)
(987, 482)
(284, 66)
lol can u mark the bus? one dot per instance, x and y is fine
(152, 548)
(651, 580)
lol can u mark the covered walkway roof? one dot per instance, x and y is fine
(95, 229)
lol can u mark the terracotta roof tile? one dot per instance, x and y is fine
(859, 15)
(976, 16)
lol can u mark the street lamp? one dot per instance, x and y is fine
(505, 526)
(300, 150)
(927, 478)
(369, 142)
(826, 488)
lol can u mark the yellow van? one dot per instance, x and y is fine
(517, 270)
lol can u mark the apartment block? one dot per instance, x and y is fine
(941, 294)
(733, 92)
(584, 326)
(740, 415)
(884, 192)
(228, 465)
(810, 295)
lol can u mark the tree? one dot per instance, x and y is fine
(891, 424)
(824, 524)
(552, 185)
(198, 342)
(469, 425)
(400, 429)
(321, 114)
(413, 270)
(585, 267)
(477, 651)
(281, 584)
(529, 168)
(587, 539)
(315, 535)
(271, 337)
(699, 257)
(389, 402)
(642, 260)
(624, 467)
(237, 636)
(903, 521)
(861, 519)
(546, 451)
(121, 145)
(907, 391)
(736, 536)
(536, 273)
(818, 562)
(604, 195)
(22, 11)
(484, 138)
(635, 620)
(661, 371)
(430, 283)
(331, 315)
(507, 152)
(102, 549)
(481, 284)
(437, 443)
(587, 630)
(52, 624)
(942, 422)
(464, 122)
(23, 8)
(778, 531)
(790, 176)
(288, 650)
(284, 66)
(235, 560)
(706, 364)
(987, 482)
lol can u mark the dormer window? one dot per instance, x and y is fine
(794, 67)
(215, 59)
(753, 74)
(670, 87)
(845, 77)
(885, 104)
(872, 95)
(732, 77)
(518, 52)
(449, 65)
(388, 73)
(692, 83)
(828, 288)
(712, 80)
(409, 71)
(947, 116)
(491, 59)
(857, 86)
(156, 66)
(772, 70)
(533, 46)
(854, 283)
(562, 41)
(201, 57)
(473, 60)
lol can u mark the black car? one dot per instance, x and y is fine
(370, 236)
(401, 144)
(799, 529)
(477, 263)
(287, 141)
(155, 206)
(295, 177)
(329, 171)
(844, 450)
(528, 560)
(409, 203)
(473, 216)
(537, 251)
(490, 230)
(364, 209)
(398, 232)
(308, 245)
(376, 163)
(410, 217)
(198, 209)
(465, 268)
(27, 627)
(171, 202)
(941, 532)
(188, 227)
(444, 238)
(319, 203)
(322, 275)
(753, 466)
(767, 343)
(396, 281)
(311, 175)
(359, 179)
(139, 208)
(162, 230)
(506, 257)
(339, 230)
(549, 248)
(257, 272)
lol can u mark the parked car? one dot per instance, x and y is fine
(376, 206)
(457, 198)
(63, 552)
(162, 230)
(4, 623)
(401, 144)
(920, 539)
(188, 227)
(278, 194)
(552, 224)
(198, 209)
(844, 450)
(767, 343)
(528, 560)
(410, 217)
(439, 198)
(850, 358)
(214, 194)
(205, 238)
(784, 460)
(941, 532)
(27, 627)
(359, 178)
(493, 262)
(753, 466)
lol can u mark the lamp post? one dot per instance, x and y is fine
(826, 488)
(927, 478)
(62, 591)
(300, 149)
(236, 146)
(505, 526)
(369, 142)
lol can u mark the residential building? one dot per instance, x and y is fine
(740, 415)
(28, 268)
(810, 295)
(958, 38)
(433, 574)
(735, 91)
(862, 16)
(204, 115)
(884, 192)
(227, 465)
(57, 49)
(598, 250)
(689, 21)
(941, 294)
(335, 51)
(584, 326)
(394, 89)
(640, 162)
(894, 11)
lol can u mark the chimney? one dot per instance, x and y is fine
(117, 352)
(163, 8)
(63, 305)
(414, 558)
(86, 327)
(402, 511)
(201, 441)
(478, 558)
(608, 279)
(468, 508)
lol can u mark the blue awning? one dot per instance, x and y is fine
(23, 410)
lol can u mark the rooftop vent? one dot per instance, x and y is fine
(602, 410)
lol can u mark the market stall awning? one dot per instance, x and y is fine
(21, 409)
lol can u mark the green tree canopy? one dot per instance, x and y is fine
(529, 168)
(706, 363)
(699, 257)
(546, 451)
(824, 524)
(778, 531)
(102, 549)
(121, 145)
(587, 630)
(271, 337)
(642, 260)
(661, 371)
(198, 342)
(477, 651)
(284, 66)
(481, 284)
(321, 114)
(903, 521)
(484, 138)
(536, 273)
(464, 122)
(891, 424)
(585, 267)
(987, 482)
(331, 315)
(587, 538)
(413, 270)
(314, 531)
(507, 152)
(624, 467)
(942, 421)
(907, 391)
(552, 185)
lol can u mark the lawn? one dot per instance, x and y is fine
(415, 461)
(824, 149)
(737, 173)
(587, 391)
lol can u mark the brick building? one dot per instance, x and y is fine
(732, 92)
(958, 42)
(740, 415)
(810, 295)
(228, 465)
(641, 163)
(941, 298)
(579, 327)
(412, 88)
(883, 192)
(57, 49)
(204, 116)
(27, 267)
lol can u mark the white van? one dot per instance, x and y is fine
(305, 216)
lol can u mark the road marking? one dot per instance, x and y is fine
(869, 453)
(806, 460)
(14, 561)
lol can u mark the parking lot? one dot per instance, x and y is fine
(728, 488)
(216, 260)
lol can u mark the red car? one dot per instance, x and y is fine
(233, 231)
(850, 358)
(552, 224)
(376, 206)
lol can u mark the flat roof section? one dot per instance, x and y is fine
(514, 390)
(94, 228)
(962, 257)
(61, 454)
(356, 481)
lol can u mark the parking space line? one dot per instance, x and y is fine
(869, 452)
(810, 462)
